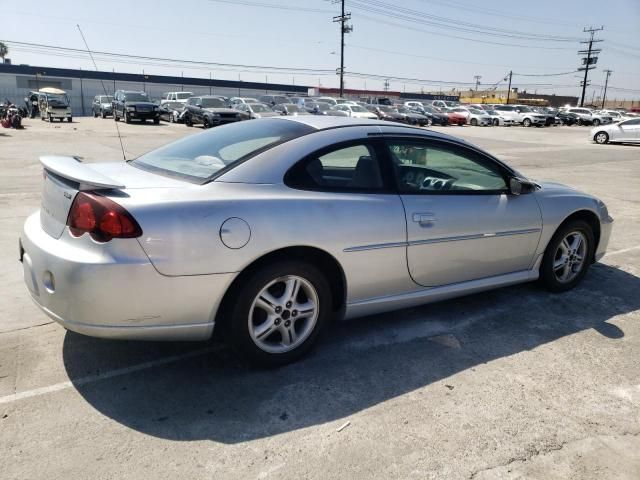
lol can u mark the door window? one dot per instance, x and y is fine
(349, 168)
(435, 168)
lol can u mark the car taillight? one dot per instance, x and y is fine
(101, 217)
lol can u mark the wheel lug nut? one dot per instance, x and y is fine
(287, 323)
(277, 321)
(294, 313)
(289, 304)
(278, 309)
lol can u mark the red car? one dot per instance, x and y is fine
(456, 118)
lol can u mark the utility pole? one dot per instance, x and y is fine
(477, 78)
(509, 89)
(589, 60)
(606, 82)
(344, 28)
(386, 85)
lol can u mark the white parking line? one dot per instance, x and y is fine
(624, 250)
(36, 392)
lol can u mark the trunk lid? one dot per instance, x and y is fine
(65, 176)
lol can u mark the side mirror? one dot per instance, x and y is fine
(199, 105)
(515, 186)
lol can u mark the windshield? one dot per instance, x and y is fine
(385, 108)
(136, 97)
(57, 100)
(292, 108)
(212, 103)
(358, 108)
(259, 107)
(199, 157)
(281, 99)
(184, 95)
(106, 99)
(525, 109)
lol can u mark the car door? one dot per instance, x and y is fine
(628, 130)
(353, 201)
(461, 222)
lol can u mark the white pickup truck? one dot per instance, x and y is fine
(181, 97)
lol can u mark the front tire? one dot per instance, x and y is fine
(567, 257)
(279, 312)
(526, 122)
(496, 122)
(596, 122)
(474, 122)
(601, 138)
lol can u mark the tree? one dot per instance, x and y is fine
(4, 50)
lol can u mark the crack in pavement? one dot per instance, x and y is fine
(533, 451)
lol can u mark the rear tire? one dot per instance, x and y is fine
(565, 263)
(596, 122)
(127, 118)
(496, 122)
(250, 316)
(474, 122)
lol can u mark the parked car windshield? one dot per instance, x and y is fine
(358, 108)
(259, 107)
(107, 99)
(212, 103)
(198, 158)
(184, 95)
(136, 97)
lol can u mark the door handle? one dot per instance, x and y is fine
(424, 219)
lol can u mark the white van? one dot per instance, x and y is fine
(181, 97)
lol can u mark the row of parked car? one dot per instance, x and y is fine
(213, 110)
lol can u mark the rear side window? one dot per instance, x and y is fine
(350, 168)
(201, 157)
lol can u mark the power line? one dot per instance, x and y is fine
(378, 20)
(415, 16)
(173, 60)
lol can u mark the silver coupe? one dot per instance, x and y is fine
(268, 229)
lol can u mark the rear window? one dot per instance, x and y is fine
(201, 157)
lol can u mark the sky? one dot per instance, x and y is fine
(417, 44)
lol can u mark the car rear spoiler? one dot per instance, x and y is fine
(73, 169)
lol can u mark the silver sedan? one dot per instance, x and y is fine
(268, 229)
(627, 131)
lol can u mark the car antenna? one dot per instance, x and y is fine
(124, 156)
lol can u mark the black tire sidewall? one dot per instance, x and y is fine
(547, 277)
(238, 327)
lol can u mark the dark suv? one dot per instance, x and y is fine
(134, 106)
(210, 111)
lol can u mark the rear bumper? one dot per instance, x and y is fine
(111, 290)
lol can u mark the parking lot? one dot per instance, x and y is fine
(513, 383)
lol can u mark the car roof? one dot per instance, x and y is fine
(321, 122)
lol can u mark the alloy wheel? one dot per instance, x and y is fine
(283, 314)
(570, 257)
